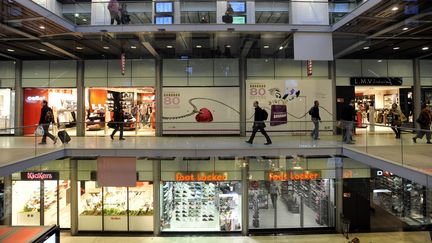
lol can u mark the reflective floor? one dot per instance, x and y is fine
(393, 237)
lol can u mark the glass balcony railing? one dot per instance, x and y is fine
(207, 12)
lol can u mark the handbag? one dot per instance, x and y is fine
(278, 115)
(39, 131)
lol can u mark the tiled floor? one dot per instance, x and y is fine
(394, 237)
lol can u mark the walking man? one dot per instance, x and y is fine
(316, 119)
(46, 117)
(119, 122)
(259, 124)
(347, 117)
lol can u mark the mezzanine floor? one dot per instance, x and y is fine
(385, 146)
(393, 237)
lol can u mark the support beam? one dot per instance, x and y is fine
(156, 196)
(158, 97)
(19, 107)
(23, 20)
(9, 57)
(150, 48)
(74, 196)
(417, 90)
(62, 51)
(242, 81)
(80, 102)
(246, 48)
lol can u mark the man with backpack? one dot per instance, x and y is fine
(259, 124)
(46, 118)
(316, 119)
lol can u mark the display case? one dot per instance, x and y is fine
(89, 206)
(141, 207)
(26, 203)
(115, 209)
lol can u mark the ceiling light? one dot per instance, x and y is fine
(266, 47)
(198, 46)
(133, 47)
(366, 48)
(42, 50)
(42, 27)
(395, 9)
(379, 60)
(425, 48)
(396, 48)
(79, 48)
(10, 50)
(405, 28)
(106, 47)
(85, 20)
(77, 15)
(281, 47)
(169, 47)
(228, 46)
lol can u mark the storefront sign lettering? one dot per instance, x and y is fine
(371, 81)
(295, 176)
(34, 99)
(39, 176)
(200, 177)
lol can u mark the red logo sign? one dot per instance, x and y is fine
(39, 176)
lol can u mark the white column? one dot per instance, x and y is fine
(177, 13)
(250, 11)
(221, 7)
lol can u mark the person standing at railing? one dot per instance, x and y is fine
(119, 122)
(424, 119)
(46, 118)
(114, 9)
(348, 118)
(316, 119)
(397, 118)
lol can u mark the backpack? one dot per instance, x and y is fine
(49, 117)
(264, 114)
(310, 111)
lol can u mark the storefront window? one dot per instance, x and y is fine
(138, 105)
(201, 194)
(115, 206)
(89, 206)
(7, 97)
(141, 207)
(26, 203)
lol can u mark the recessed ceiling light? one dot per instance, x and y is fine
(106, 47)
(198, 46)
(379, 60)
(281, 47)
(42, 27)
(42, 50)
(228, 46)
(396, 48)
(405, 28)
(366, 48)
(266, 46)
(77, 15)
(133, 47)
(425, 48)
(395, 9)
(85, 20)
(79, 48)
(169, 47)
(10, 50)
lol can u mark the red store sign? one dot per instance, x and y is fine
(39, 176)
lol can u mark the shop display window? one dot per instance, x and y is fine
(26, 201)
(7, 99)
(89, 206)
(114, 208)
(201, 206)
(141, 207)
(57, 202)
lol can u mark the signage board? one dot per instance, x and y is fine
(39, 176)
(376, 81)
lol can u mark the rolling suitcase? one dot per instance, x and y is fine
(64, 136)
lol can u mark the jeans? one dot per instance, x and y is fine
(315, 131)
(46, 133)
(274, 197)
(259, 127)
(348, 129)
(119, 126)
(420, 134)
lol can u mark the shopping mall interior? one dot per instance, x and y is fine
(179, 78)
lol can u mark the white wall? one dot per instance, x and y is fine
(7, 74)
(99, 13)
(426, 72)
(58, 73)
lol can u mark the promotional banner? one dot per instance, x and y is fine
(288, 102)
(201, 110)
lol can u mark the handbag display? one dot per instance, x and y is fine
(279, 115)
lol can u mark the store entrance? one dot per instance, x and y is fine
(138, 105)
(7, 100)
(41, 202)
(373, 104)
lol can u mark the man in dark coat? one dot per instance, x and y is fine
(46, 117)
(119, 122)
(316, 119)
(259, 124)
(348, 118)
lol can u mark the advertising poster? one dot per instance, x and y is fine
(288, 102)
(201, 110)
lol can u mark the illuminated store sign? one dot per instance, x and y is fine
(293, 175)
(39, 176)
(377, 81)
(34, 99)
(200, 176)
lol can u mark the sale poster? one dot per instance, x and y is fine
(201, 110)
(288, 101)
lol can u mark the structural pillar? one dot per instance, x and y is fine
(7, 208)
(158, 96)
(417, 91)
(80, 100)
(245, 194)
(243, 75)
(19, 107)
(156, 196)
(332, 76)
(339, 192)
(74, 196)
